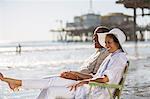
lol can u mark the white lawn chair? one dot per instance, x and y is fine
(118, 87)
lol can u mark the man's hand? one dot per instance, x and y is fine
(69, 75)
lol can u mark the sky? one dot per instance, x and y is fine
(31, 20)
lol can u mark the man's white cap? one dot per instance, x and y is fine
(115, 31)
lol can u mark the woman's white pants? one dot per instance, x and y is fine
(55, 87)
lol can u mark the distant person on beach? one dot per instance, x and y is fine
(19, 46)
(110, 71)
(18, 49)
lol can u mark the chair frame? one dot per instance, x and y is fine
(118, 87)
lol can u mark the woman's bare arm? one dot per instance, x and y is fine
(86, 81)
(100, 80)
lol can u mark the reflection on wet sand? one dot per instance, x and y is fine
(137, 85)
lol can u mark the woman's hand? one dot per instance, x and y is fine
(76, 85)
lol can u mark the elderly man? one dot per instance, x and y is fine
(91, 65)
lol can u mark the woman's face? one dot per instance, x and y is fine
(110, 44)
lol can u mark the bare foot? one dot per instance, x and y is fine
(13, 86)
(1, 76)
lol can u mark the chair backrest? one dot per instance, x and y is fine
(118, 91)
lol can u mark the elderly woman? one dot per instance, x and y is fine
(110, 71)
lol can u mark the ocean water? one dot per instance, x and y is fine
(44, 58)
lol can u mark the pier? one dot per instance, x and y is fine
(81, 29)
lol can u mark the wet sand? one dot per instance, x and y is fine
(137, 85)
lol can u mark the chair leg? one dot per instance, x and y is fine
(89, 94)
(111, 96)
(118, 97)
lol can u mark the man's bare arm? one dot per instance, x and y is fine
(81, 76)
(75, 75)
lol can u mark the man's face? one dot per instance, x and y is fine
(95, 40)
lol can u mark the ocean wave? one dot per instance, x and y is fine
(134, 57)
(46, 48)
(38, 64)
(138, 44)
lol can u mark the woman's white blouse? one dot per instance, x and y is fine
(113, 67)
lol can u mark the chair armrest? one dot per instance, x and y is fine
(105, 85)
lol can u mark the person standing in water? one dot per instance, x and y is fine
(18, 49)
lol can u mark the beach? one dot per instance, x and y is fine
(45, 58)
